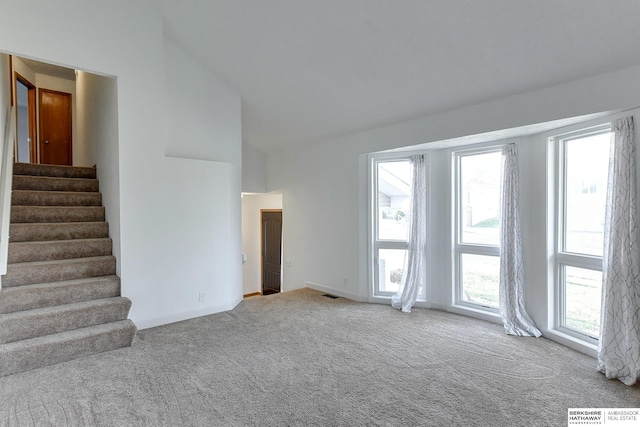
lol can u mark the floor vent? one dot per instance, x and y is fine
(330, 296)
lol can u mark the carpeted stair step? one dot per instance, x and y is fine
(23, 325)
(34, 353)
(58, 249)
(60, 299)
(55, 198)
(22, 214)
(40, 295)
(53, 171)
(45, 183)
(28, 273)
(26, 232)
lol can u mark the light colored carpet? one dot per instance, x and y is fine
(299, 358)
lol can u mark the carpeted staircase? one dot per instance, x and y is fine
(60, 299)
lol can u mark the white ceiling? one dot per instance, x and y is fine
(311, 70)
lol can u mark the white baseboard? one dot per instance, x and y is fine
(437, 306)
(387, 301)
(568, 341)
(178, 317)
(476, 314)
(336, 292)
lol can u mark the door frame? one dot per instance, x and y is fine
(31, 105)
(262, 211)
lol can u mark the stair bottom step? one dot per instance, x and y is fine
(35, 353)
(23, 325)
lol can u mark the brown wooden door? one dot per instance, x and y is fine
(271, 251)
(55, 127)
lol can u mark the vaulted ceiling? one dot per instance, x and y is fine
(311, 70)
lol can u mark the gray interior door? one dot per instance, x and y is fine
(271, 252)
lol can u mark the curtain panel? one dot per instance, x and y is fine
(413, 276)
(619, 345)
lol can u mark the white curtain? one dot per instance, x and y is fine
(414, 270)
(619, 347)
(514, 316)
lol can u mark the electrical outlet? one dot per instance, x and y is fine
(201, 297)
(287, 263)
(345, 282)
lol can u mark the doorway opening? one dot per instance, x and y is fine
(25, 150)
(44, 96)
(271, 244)
(253, 206)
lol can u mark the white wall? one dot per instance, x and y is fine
(97, 101)
(254, 169)
(202, 242)
(325, 186)
(124, 39)
(207, 111)
(320, 188)
(24, 70)
(202, 247)
(251, 238)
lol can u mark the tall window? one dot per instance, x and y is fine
(581, 176)
(477, 227)
(392, 208)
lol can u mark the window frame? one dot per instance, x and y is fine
(561, 258)
(375, 243)
(459, 247)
